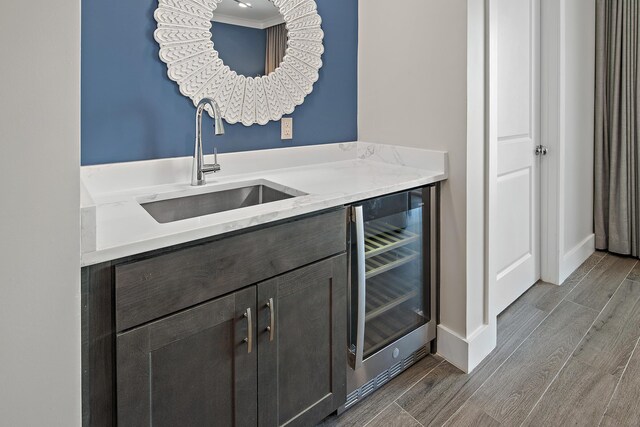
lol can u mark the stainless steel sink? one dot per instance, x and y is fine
(176, 209)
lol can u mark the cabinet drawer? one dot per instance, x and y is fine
(156, 287)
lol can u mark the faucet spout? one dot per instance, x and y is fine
(200, 169)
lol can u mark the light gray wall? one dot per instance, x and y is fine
(413, 92)
(568, 94)
(579, 125)
(39, 222)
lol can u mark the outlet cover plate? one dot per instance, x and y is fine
(286, 125)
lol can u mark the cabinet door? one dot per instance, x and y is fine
(191, 369)
(303, 344)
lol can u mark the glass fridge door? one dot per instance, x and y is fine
(396, 270)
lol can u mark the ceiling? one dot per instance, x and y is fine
(262, 14)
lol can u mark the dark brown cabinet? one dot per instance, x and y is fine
(220, 364)
(247, 329)
(301, 344)
(191, 369)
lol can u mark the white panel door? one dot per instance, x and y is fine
(517, 238)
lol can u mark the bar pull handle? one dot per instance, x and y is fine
(272, 319)
(362, 288)
(249, 339)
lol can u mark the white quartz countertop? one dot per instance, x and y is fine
(352, 172)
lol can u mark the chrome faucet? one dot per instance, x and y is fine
(200, 169)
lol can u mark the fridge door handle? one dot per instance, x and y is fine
(362, 289)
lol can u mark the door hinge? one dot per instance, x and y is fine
(542, 150)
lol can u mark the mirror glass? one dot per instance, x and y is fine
(249, 35)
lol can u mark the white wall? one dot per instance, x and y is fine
(39, 226)
(579, 134)
(568, 103)
(421, 86)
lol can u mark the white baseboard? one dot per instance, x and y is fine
(466, 353)
(576, 256)
(453, 348)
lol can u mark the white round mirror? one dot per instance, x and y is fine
(258, 59)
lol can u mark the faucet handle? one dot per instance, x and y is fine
(215, 167)
(206, 169)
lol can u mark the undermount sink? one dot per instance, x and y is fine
(179, 208)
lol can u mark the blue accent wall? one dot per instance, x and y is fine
(243, 49)
(132, 111)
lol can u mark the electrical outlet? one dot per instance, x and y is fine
(286, 125)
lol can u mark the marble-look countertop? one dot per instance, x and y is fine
(115, 225)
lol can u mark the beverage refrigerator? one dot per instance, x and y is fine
(393, 246)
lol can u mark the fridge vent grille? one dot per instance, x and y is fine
(382, 379)
(408, 361)
(420, 353)
(396, 369)
(352, 398)
(369, 387)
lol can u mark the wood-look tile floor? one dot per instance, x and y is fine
(566, 355)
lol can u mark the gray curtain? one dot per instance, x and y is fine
(276, 47)
(616, 127)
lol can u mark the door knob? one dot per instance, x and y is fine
(542, 150)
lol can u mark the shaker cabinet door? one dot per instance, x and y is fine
(194, 368)
(302, 342)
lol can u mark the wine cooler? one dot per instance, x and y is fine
(393, 264)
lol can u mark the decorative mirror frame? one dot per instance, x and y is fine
(185, 39)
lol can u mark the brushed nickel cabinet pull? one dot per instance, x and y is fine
(272, 319)
(249, 339)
